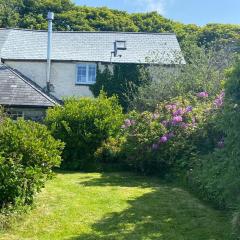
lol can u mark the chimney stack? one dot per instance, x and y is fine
(50, 18)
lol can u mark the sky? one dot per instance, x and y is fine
(199, 12)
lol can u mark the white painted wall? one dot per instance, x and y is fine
(63, 77)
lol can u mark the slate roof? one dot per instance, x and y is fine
(18, 91)
(17, 44)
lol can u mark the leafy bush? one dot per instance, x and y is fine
(162, 141)
(109, 156)
(215, 176)
(204, 71)
(84, 124)
(28, 154)
(110, 152)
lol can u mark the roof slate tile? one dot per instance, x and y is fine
(17, 44)
(15, 90)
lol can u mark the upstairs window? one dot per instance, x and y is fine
(86, 73)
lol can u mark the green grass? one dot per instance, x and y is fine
(117, 206)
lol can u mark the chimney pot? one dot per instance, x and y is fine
(50, 16)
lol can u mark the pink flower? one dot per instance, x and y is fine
(202, 94)
(189, 109)
(177, 119)
(180, 111)
(218, 102)
(127, 122)
(163, 139)
(170, 135)
(171, 107)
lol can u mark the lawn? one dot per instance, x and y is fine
(117, 206)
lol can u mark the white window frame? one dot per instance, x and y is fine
(87, 65)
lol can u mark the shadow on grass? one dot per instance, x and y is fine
(164, 213)
(120, 179)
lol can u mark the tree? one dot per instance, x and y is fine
(68, 16)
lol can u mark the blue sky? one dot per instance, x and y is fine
(187, 11)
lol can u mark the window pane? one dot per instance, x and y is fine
(92, 73)
(82, 74)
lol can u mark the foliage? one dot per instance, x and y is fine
(236, 224)
(223, 33)
(84, 124)
(28, 154)
(68, 16)
(110, 155)
(124, 77)
(141, 130)
(161, 141)
(216, 173)
(204, 71)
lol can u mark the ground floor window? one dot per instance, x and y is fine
(33, 114)
(15, 114)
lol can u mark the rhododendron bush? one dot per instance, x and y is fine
(160, 141)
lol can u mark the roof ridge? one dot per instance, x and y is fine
(116, 32)
(37, 87)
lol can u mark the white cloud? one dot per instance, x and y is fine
(151, 5)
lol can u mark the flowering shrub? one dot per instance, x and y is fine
(160, 141)
(142, 132)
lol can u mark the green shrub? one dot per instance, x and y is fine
(110, 156)
(236, 224)
(204, 71)
(84, 124)
(28, 154)
(161, 142)
(141, 131)
(215, 175)
(110, 152)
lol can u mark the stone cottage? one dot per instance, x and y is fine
(32, 80)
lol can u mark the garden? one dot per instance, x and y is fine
(159, 160)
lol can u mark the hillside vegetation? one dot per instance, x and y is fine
(68, 16)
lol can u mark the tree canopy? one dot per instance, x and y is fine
(31, 14)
